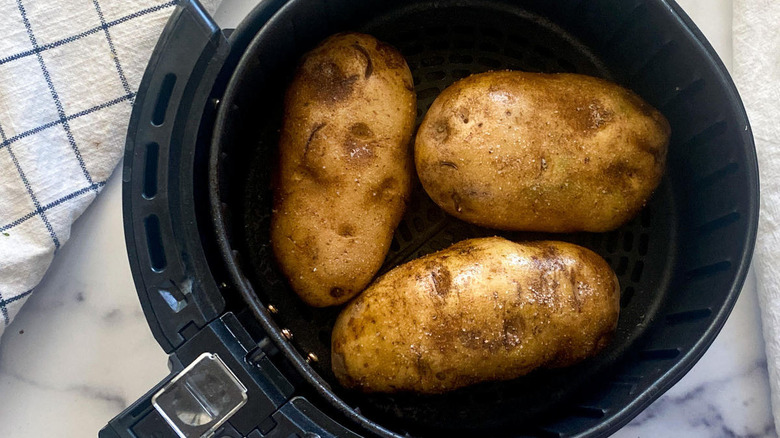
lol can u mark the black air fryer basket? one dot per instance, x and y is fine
(200, 152)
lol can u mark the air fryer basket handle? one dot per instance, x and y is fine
(270, 410)
(178, 296)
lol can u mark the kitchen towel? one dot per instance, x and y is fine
(69, 72)
(756, 27)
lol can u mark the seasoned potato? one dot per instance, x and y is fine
(541, 152)
(345, 166)
(482, 309)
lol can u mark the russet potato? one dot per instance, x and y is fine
(483, 309)
(345, 166)
(541, 152)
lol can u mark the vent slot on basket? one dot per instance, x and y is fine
(163, 99)
(154, 243)
(708, 270)
(663, 354)
(150, 170)
(688, 316)
(719, 222)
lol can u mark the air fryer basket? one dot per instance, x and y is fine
(681, 262)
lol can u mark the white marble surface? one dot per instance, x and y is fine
(80, 350)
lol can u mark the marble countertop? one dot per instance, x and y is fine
(80, 350)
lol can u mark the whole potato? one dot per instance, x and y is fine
(541, 152)
(345, 166)
(482, 309)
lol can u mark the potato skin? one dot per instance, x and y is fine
(541, 152)
(483, 309)
(345, 166)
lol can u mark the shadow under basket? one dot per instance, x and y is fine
(681, 262)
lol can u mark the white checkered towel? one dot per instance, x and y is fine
(69, 70)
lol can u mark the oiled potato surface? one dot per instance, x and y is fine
(345, 166)
(541, 152)
(483, 309)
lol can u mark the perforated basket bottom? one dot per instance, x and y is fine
(441, 48)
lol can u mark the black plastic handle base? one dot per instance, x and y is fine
(266, 387)
(269, 411)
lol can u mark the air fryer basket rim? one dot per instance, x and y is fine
(692, 357)
(612, 423)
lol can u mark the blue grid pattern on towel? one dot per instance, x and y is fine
(63, 122)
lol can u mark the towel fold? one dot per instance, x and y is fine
(69, 72)
(757, 75)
